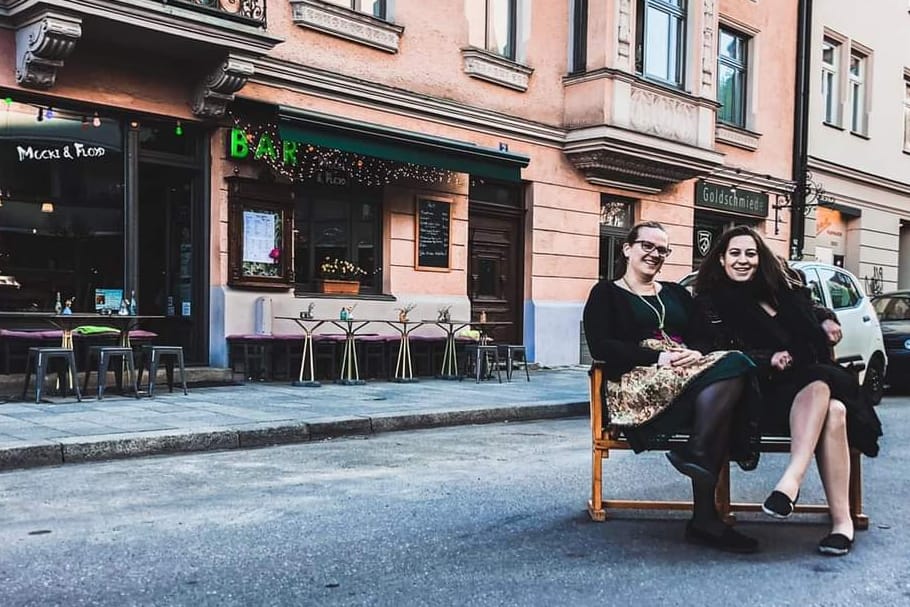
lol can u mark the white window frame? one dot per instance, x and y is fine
(907, 110)
(857, 91)
(831, 82)
(357, 7)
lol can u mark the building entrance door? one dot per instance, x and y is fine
(495, 283)
(171, 277)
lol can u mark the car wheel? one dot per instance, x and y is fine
(874, 382)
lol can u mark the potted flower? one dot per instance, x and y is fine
(340, 276)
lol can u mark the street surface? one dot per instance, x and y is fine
(474, 515)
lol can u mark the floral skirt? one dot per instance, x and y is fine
(651, 404)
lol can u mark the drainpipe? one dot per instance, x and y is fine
(801, 128)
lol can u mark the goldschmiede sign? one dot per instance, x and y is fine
(723, 198)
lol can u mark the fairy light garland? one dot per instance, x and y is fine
(265, 145)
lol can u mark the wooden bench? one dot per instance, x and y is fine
(606, 437)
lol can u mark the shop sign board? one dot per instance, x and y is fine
(722, 198)
(71, 151)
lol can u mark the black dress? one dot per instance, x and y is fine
(617, 320)
(739, 321)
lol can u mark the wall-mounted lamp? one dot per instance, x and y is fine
(806, 193)
(47, 207)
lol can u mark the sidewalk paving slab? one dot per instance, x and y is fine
(260, 414)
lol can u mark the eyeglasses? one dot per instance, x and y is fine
(650, 247)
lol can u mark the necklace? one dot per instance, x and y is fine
(660, 314)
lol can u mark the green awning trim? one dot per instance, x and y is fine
(399, 145)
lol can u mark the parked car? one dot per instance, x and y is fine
(893, 311)
(862, 348)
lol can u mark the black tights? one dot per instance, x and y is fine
(710, 438)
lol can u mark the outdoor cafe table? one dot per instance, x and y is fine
(309, 325)
(350, 373)
(404, 370)
(452, 327)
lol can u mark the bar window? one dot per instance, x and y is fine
(615, 221)
(732, 77)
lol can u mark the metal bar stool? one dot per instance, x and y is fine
(479, 355)
(41, 358)
(104, 354)
(515, 352)
(151, 356)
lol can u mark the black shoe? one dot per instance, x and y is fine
(728, 540)
(835, 544)
(779, 505)
(683, 460)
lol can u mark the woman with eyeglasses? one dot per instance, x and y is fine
(754, 307)
(649, 338)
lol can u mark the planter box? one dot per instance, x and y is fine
(339, 287)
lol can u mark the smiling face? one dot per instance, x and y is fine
(740, 260)
(646, 264)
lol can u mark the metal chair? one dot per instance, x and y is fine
(41, 358)
(482, 356)
(104, 354)
(151, 356)
(514, 352)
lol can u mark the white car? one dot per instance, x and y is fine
(862, 348)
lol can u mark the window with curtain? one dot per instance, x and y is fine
(376, 8)
(660, 40)
(732, 77)
(857, 79)
(501, 27)
(830, 85)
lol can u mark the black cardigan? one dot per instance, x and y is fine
(613, 338)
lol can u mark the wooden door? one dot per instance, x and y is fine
(495, 283)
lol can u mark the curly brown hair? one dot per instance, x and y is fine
(769, 279)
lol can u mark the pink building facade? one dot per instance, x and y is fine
(485, 155)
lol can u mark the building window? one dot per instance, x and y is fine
(857, 78)
(501, 26)
(342, 226)
(660, 38)
(830, 82)
(616, 216)
(579, 36)
(376, 8)
(907, 112)
(732, 76)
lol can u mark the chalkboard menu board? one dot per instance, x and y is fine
(433, 224)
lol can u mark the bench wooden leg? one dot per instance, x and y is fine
(595, 505)
(860, 520)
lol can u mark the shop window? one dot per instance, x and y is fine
(376, 8)
(615, 222)
(660, 40)
(346, 228)
(830, 80)
(732, 77)
(487, 190)
(61, 206)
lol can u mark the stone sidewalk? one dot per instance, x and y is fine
(62, 430)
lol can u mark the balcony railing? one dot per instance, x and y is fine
(249, 11)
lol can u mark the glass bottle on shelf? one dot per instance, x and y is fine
(133, 305)
(58, 306)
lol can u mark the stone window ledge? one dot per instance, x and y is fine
(741, 138)
(493, 68)
(345, 23)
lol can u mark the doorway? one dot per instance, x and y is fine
(170, 275)
(495, 262)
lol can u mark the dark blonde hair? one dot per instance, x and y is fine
(632, 236)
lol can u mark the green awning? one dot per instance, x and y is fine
(398, 145)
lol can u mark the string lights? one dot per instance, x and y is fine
(301, 161)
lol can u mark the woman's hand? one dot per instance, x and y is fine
(678, 358)
(781, 360)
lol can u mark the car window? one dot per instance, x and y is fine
(892, 308)
(814, 285)
(843, 291)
